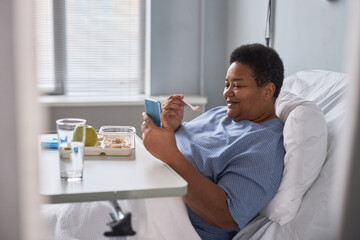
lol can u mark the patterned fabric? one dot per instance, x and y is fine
(244, 158)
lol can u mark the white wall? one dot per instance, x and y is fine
(216, 59)
(308, 34)
(246, 22)
(311, 34)
(175, 47)
(178, 61)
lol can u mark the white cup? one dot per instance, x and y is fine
(71, 148)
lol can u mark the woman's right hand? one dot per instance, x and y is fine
(174, 108)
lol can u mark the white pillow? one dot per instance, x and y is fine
(305, 142)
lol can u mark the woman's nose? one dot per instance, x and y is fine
(228, 92)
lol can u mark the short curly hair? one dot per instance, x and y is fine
(264, 62)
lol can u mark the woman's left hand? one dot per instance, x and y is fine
(160, 142)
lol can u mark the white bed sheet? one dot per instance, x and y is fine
(313, 220)
(152, 219)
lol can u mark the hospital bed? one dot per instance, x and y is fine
(311, 105)
(302, 207)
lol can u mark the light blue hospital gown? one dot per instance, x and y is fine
(246, 159)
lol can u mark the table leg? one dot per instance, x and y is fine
(120, 223)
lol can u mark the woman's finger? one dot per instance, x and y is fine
(143, 126)
(176, 96)
(173, 104)
(164, 120)
(148, 123)
(170, 112)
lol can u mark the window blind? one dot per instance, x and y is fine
(91, 47)
(44, 45)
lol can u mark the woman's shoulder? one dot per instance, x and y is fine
(274, 124)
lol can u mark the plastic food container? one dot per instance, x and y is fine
(115, 140)
(118, 136)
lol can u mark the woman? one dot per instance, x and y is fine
(231, 156)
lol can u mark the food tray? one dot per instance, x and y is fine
(113, 140)
(105, 145)
(94, 151)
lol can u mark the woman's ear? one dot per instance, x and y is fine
(268, 91)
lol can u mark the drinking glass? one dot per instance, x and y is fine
(71, 141)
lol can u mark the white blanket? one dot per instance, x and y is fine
(152, 219)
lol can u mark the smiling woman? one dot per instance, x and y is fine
(231, 156)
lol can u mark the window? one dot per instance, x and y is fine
(90, 47)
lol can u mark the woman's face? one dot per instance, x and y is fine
(244, 99)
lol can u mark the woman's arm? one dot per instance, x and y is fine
(204, 197)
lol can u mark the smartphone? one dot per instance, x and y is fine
(153, 109)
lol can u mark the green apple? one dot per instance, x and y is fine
(90, 135)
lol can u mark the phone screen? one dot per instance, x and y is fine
(153, 109)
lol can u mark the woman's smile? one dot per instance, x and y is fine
(231, 103)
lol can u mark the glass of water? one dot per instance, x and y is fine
(71, 142)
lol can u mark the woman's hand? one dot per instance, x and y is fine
(160, 142)
(174, 109)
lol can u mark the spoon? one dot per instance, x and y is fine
(194, 108)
